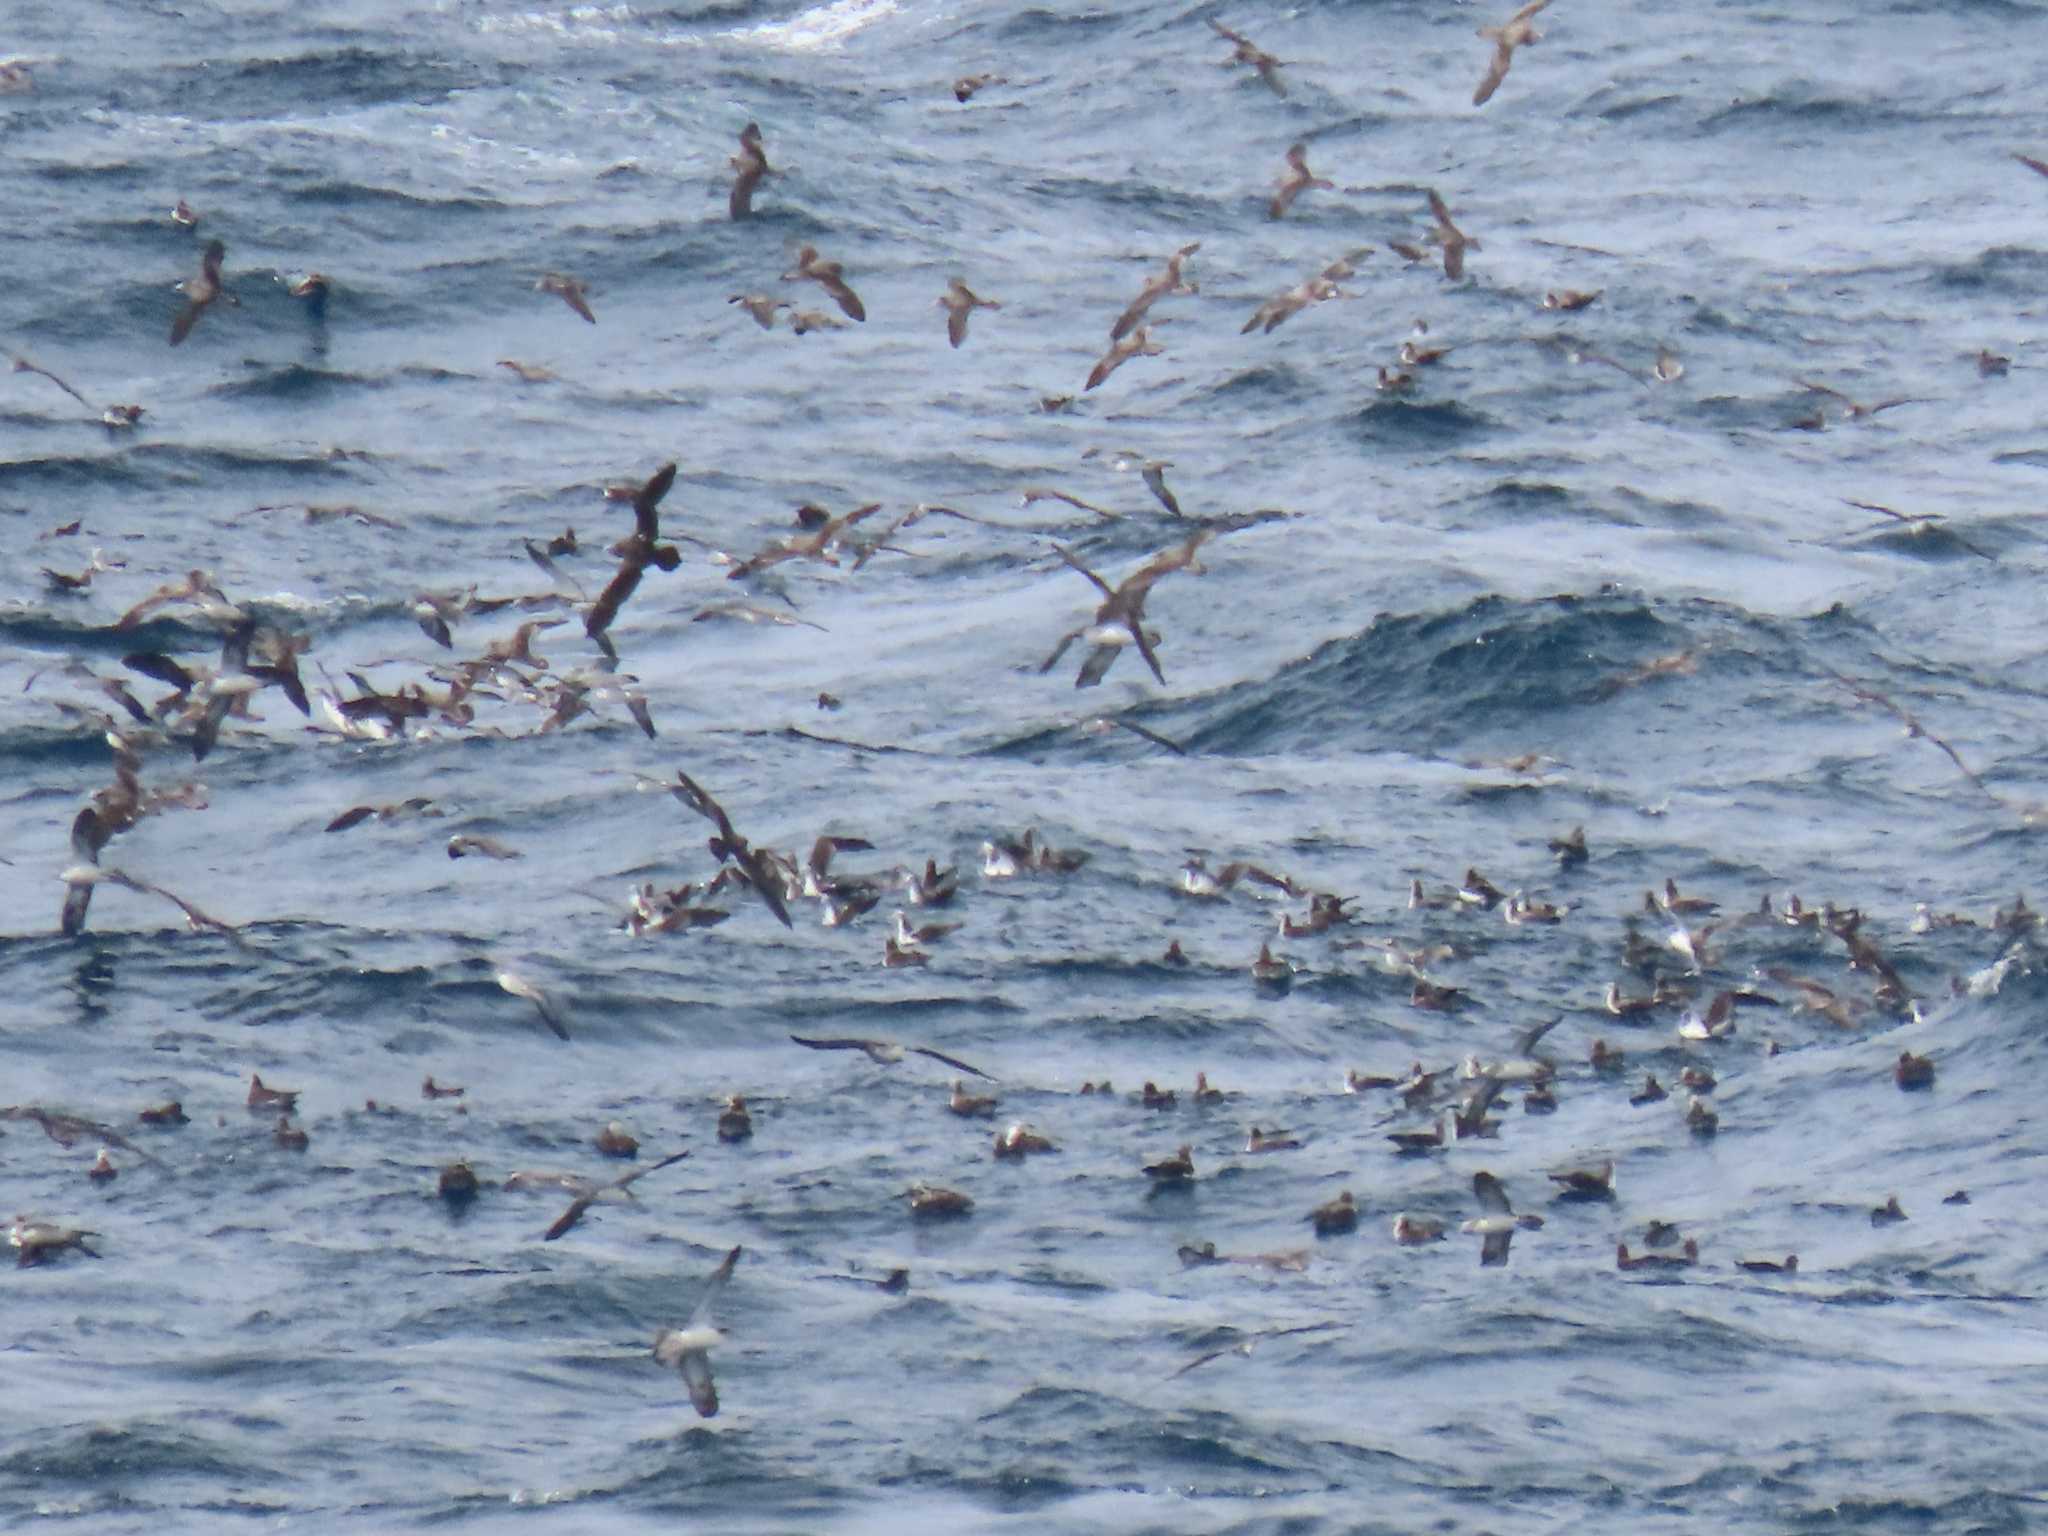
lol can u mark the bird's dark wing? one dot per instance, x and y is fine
(951, 1061)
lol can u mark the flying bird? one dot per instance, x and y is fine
(1294, 181)
(1168, 281)
(1122, 611)
(590, 1192)
(572, 291)
(887, 1053)
(1138, 343)
(753, 863)
(201, 291)
(1453, 239)
(749, 166)
(1517, 31)
(519, 986)
(1244, 51)
(828, 276)
(688, 1348)
(640, 549)
(959, 301)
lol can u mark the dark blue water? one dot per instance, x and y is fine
(1433, 630)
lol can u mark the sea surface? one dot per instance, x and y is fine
(1432, 630)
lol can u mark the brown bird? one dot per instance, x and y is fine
(1244, 51)
(1517, 31)
(828, 276)
(967, 85)
(201, 291)
(1156, 288)
(1122, 609)
(570, 290)
(1294, 181)
(640, 550)
(754, 864)
(734, 1123)
(749, 166)
(815, 545)
(1138, 343)
(2038, 166)
(761, 307)
(588, 1192)
(1454, 240)
(1569, 298)
(959, 301)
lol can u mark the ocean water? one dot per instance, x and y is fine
(1432, 630)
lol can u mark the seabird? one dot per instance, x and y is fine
(1517, 31)
(67, 1130)
(688, 1349)
(805, 321)
(734, 1123)
(1569, 298)
(1138, 343)
(1913, 1071)
(1686, 1258)
(263, 1098)
(1789, 1265)
(761, 307)
(887, 1052)
(457, 1186)
(102, 1168)
(827, 275)
(928, 1201)
(959, 301)
(749, 166)
(615, 1141)
(967, 85)
(1588, 1182)
(1244, 51)
(1414, 1231)
(37, 1241)
(588, 1191)
(489, 847)
(1294, 181)
(964, 1103)
(1497, 1228)
(1123, 609)
(1177, 1169)
(429, 1089)
(818, 544)
(1335, 1216)
(519, 986)
(1168, 281)
(289, 1136)
(201, 291)
(183, 216)
(753, 863)
(1018, 1140)
(640, 549)
(570, 290)
(1455, 241)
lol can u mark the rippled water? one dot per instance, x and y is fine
(1434, 630)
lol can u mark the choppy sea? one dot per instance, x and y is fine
(1434, 628)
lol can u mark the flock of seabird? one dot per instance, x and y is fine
(1703, 987)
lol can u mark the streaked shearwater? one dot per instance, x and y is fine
(1295, 180)
(1167, 282)
(829, 276)
(959, 301)
(1517, 31)
(749, 166)
(572, 291)
(1248, 53)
